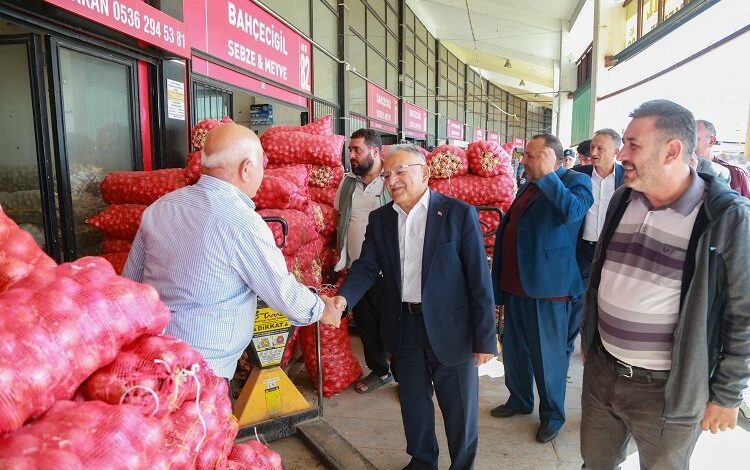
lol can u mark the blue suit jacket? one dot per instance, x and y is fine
(457, 303)
(547, 237)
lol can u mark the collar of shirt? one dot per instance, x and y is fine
(684, 204)
(595, 174)
(424, 201)
(211, 183)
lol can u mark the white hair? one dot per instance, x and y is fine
(231, 156)
(408, 148)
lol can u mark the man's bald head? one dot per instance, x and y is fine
(233, 153)
(227, 145)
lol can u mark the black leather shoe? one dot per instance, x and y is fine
(506, 411)
(546, 433)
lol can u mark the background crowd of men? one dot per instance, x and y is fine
(642, 247)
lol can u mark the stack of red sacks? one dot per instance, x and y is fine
(481, 176)
(128, 193)
(87, 384)
(316, 148)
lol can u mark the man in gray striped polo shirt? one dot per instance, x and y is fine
(666, 334)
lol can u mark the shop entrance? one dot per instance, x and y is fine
(216, 100)
(65, 128)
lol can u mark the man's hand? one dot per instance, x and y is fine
(547, 162)
(482, 358)
(717, 418)
(340, 302)
(331, 313)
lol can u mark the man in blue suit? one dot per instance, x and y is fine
(535, 276)
(606, 176)
(439, 315)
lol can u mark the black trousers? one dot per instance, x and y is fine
(368, 314)
(457, 390)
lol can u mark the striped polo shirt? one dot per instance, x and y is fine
(641, 280)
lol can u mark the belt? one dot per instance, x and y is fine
(412, 307)
(637, 374)
(589, 242)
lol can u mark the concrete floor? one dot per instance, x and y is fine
(372, 423)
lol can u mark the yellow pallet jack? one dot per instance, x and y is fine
(271, 407)
(269, 403)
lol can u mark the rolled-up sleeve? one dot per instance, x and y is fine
(261, 265)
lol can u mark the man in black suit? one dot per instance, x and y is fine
(606, 176)
(439, 315)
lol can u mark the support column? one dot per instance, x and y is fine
(344, 124)
(565, 80)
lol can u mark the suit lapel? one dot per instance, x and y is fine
(619, 175)
(436, 215)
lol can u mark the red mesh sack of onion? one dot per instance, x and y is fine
(300, 147)
(301, 228)
(156, 373)
(19, 254)
(252, 455)
(200, 433)
(322, 126)
(488, 159)
(340, 367)
(141, 187)
(477, 190)
(447, 161)
(93, 434)
(59, 325)
(119, 221)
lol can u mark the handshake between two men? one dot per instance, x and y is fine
(333, 311)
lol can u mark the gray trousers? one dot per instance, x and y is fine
(615, 408)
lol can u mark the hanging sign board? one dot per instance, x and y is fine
(381, 105)
(493, 137)
(415, 121)
(454, 129)
(519, 143)
(478, 135)
(134, 18)
(241, 33)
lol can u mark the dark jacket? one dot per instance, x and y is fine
(547, 235)
(711, 348)
(589, 170)
(457, 304)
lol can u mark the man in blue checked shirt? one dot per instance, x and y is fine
(209, 255)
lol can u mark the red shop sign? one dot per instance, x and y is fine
(415, 121)
(519, 143)
(381, 105)
(383, 127)
(478, 135)
(454, 129)
(133, 18)
(243, 34)
(218, 72)
(493, 137)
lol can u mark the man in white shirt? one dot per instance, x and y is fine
(606, 176)
(439, 315)
(359, 193)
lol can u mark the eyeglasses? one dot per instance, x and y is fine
(398, 170)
